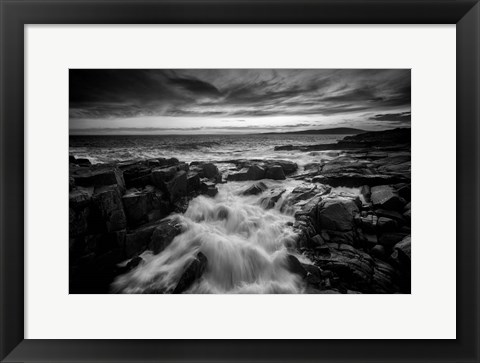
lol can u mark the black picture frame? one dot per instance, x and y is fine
(15, 14)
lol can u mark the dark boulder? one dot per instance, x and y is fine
(295, 266)
(255, 172)
(138, 240)
(146, 205)
(255, 189)
(396, 216)
(378, 251)
(269, 201)
(385, 224)
(275, 172)
(193, 182)
(164, 162)
(241, 175)
(106, 213)
(284, 147)
(366, 193)
(99, 177)
(79, 211)
(103, 243)
(137, 175)
(288, 167)
(71, 184)
(192, 272)
(388, 240)
(384, 196)
(210, 171)
(208, 188)
(164, 234)
(336, 214)
(402, 250)
(177, 186)
(160, 176)
(355, 179)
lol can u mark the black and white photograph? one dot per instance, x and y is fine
(239, 181)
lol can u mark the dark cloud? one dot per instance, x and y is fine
(395, 117)
(127, 93)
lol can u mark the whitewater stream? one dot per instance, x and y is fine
(245, 245)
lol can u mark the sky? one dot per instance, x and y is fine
(226, 101)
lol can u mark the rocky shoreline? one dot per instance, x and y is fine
(352, 213)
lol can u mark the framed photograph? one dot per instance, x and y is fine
(247, 181)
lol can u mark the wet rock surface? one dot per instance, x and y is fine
(116, 212)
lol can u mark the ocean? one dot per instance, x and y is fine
(188, 148)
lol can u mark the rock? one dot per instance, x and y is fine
(317, 240)
(354, 268)
(378, 251)
(385, 224)
(384, 196)
(288, 167)
(384, 278)
(314, 275)
(136, 207)
(309, 209)
(388, 240)
(209, 189)
(241, 175)
(371, 239)
(366, 193)
(336, 215)
(210, 171)
(106, 213)
(399, 136)
(164, 234)
(104, 243)
(269, 201)
(391, 214)
(275, 172)
(99, 177)
(368, 223)
(160, 176)
(193, 271)
(143, 206)
(71, 184)
(405, 192)
(79, 161)
(167, 162)
(255, 189)
(137, 175)
(294, 266)
(82, 162)
(401, 258)
(255, 172)
(402, 250)
(354, 180)
(193, 182)
(79, 211)
(177, 186)
(408, 216)
(138, 240)
(284, 147)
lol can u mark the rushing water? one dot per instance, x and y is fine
(245, 244)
